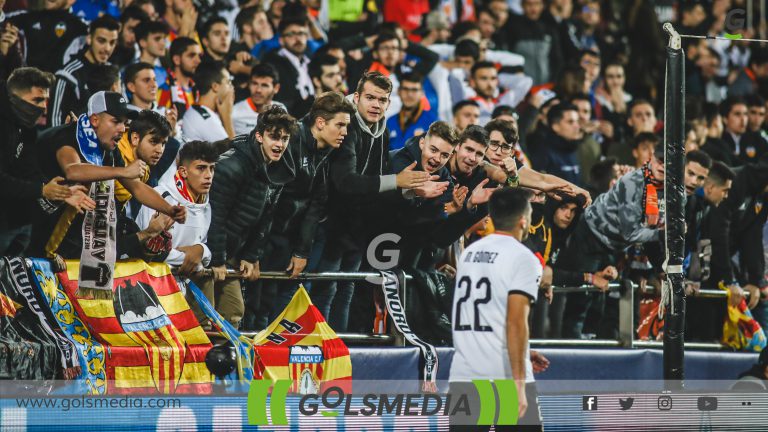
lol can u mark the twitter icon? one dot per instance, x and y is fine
(626, 403)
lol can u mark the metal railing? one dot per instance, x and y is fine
(626, 313)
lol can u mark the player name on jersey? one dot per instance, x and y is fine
(481, 257)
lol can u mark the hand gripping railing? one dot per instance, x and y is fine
(626, 313)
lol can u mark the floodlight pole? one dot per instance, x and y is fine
(674, 197)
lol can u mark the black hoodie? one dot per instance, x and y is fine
(553, 154)
(362, 185)
(243, 196)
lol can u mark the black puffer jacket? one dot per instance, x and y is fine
(303, 201)
(243, 197)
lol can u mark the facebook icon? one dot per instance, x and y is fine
(589, 403)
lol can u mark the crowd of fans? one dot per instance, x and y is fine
(286, 135)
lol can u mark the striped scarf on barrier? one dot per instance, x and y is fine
(390, 286)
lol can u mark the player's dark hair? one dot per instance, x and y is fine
(328, 104)
(507, 206)
(504, 110)
(146, 28)
(198, 150)
(557, 112)
(464, 103)
(132, 70)
(720, 173)
(102, 77)
(699, 157)
(275, 119)
(482, 65)
(645, 137)
(104, 22)
(507, 129)
(207, 74)
(149, 122)
(180, 45)
(135, 13)
(208, 26)
(317, 63)
(384, 36)
(265, 70)
(727, 105)
(475, 133)
(467, 48)
(23, 79)
(291, 21)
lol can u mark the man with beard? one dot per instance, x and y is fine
(302, 203)
(71, 92)
(628, 214)
(361, 186)
(556, 152)
(263, 85)
(177, 89)
(189, 186)
(211, 119)
(67, 151)
(292, 65)
(414, 117)
(249, 179)
(325, 72)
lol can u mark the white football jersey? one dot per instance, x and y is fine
(488, 271)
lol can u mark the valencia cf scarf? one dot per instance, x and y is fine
(97, 261)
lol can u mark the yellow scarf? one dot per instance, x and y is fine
(128, 153)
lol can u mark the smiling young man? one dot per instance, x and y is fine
(302, 203)
(189, 187)
(71, 92)
(249, 179)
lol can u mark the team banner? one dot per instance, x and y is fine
(243, 345)
(391, 287)
(155, 343)
(92, 356)
(46, 322)
(26, 352)
(301, 347)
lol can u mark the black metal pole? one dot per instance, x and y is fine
(674, 197)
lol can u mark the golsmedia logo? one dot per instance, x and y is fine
(475, 403)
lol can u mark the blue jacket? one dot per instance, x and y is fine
(398, 137)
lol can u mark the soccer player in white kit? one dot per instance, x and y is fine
(497, 280)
